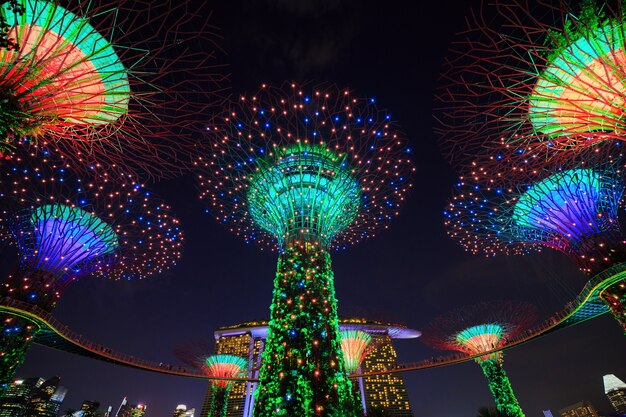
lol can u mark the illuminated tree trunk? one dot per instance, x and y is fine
(219, 402)
(15, 338)
(16, 334)
(302, 368)
(500, 387)
(615, 297)
(358, 397)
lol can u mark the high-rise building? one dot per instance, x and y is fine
(131, 410)
(580, 409)
(387, 391)
(88, 409)
(18, 394)
(615, 389)
(46, 401)
(33, 397)
(181, 411)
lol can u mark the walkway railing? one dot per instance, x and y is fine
(587, 305)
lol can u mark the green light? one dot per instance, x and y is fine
(302, 370)
(304, 192)
(500, 387)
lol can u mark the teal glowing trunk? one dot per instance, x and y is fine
(302, 371)
(500, 386)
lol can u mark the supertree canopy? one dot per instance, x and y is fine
(65, 228)
(547, 75)
(223, 366)
(305, 172)
(355, 346)
(572, 208)
(484, 328)
(107, 83)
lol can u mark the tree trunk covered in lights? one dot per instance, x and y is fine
(615, 298)
(219, 402)
(500, 387)
(302, 372)
(16, 334)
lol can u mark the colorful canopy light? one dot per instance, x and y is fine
(355, 346)
(305, 171)
(66, 235)
(571, 208)
(65, 228)
(484, 328)
(92, 83)
(530, 82)
(225, 366)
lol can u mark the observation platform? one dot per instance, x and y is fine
(56, 335)
(259, 328)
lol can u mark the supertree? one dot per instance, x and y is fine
(108, 83)
(355, 345)
(483, 328)
(304, 172)
(571, 207)
(223, 366)
(534, 74)
(65, 228)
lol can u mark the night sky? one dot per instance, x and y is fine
(393, 51)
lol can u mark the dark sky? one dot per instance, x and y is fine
(391, 50)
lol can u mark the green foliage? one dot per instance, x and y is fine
(219, 401)
(16, 8)
(589, 19)
(500, 387)
(302, 371)
(15, 337)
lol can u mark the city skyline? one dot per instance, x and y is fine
(411, 270)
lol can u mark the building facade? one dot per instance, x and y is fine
(182, 411)
(615, 390)
(131, 410)
(580, 409)
(33, 397)
(386, 391)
